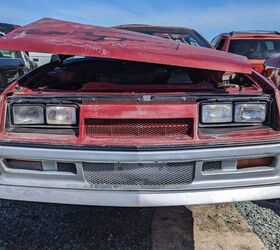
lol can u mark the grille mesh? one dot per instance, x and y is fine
(137, 127)
(24, 165)
(139, 175)
(212, 166)
(66, 167)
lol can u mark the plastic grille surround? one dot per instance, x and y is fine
(211, 166)
(24, 165)
(66, 167)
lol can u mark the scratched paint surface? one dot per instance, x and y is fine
(61, 37)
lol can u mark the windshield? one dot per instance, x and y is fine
(255, 48)
(189, 37)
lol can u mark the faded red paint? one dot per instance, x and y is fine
(75, 39)
(130, 109)
(257, 65)
(68, 38)
(244, 136)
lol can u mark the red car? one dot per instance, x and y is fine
(128, 119)
(257, 46)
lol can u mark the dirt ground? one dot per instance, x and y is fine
(202, 227)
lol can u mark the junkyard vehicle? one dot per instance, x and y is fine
(13, 64)
(272, 69)
(184, 35)
(257, 46)
(127, 119)
(7, 27)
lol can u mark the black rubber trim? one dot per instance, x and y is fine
(133, 148)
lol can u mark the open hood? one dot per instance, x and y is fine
(68, 38)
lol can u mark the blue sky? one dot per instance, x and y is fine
(208, 17)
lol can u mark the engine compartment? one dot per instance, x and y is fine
(85, 74)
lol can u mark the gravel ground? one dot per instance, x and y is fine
(26, 225)
(264, 218)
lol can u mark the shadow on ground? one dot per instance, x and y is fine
(26, 225)
(271, 204)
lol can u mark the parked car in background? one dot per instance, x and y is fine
(13, 64)
(272, 69)
(126, 119)
(184, 35)
(257, 46)
(7, 27)
(10, 70)
(42, 58)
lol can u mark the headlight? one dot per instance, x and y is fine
(61, 115)
(28, 114)
(250, 112)
(216, 113)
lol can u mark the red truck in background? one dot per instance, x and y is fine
(257, 46)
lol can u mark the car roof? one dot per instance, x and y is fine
(69, 38)
(253, 34)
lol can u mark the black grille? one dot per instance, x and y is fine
(139, 175)
(24, 165)
(66, 167)
(211, 166)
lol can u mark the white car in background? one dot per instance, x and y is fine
(41, 58)
(18, 54)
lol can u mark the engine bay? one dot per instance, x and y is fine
(85, 74)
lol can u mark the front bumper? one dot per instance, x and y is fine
(225, 185)
(137, 199)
